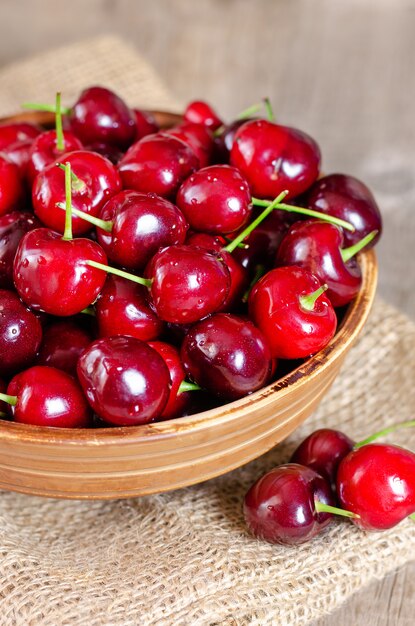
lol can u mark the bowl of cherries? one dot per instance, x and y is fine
(177, 293)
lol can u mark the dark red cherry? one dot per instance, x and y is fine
(123, 309)
(227, 355)
(12, 228)
(187, 283)
(317, 247)
(20, 334)
(100, 115)
(215, 199)
(200, 112)
(96, 181)
(14, 132)
(274, 158)
(62, 345)
(178, 400)
(126, 381)
(4, 407)
(145, 122)
(11, 186)
(46, 396)
(112, 153)
(44, 151)
(322, 451)
(51, 273)
(19, 154)
(377, 482)
(290, 308)
(349, 199)
(224, 141)
(281, 506)
(198, 137)
(158, 164)
(141, 224)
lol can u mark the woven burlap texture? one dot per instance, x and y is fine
(185, 558)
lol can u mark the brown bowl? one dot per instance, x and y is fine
(122, 462)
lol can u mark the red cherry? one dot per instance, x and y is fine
(215, 199)
(20, 334)
(377, 482)
(44, 151)
(12, 228)
(99, 115)
(19, 154)
(227, 355)
(145, 123)
(126, 382)
(281, 506)
(46, 396)
(51, 274)
(11, 186)
(198, 137)
(178, 400)
(123, 309)
(13, 132)
(274, 158)
(199, 112)
(157, 163)
(224, 141)
(97, 181)
(63, 343)
(290, 308)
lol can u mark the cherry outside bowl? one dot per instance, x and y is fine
(105, 463)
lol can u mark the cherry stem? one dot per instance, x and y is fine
(186, 386)
(412, 517)
(112, 270)
(248, 230)
(259, 272)
(383, 432)
(348, 253)
(269, 110)
(67, 234)
(12, 400)
(3, 415)
(303, 211)
(308, 301)
(96, 221)
(89, 311)
(322, 507)
(60, 141)
(254, 108)
(76, 182)
(36, 106)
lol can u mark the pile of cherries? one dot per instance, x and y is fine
(141, 265)
(374, 484)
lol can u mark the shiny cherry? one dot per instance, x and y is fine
(96, 180)
(200, 112)
(20, 334)
(100, 115)
(224, 141)
(145, 123)
(215, 199)
(12, 228)
(123, 309)
(349, 199)
(19, 154)
(288, 304)
(178, 400)
(227, 355)
(126, 382)
(45, 150)
(322, 451)
(158, 164)
(280, 507)
(11, 186)
(274, 158)
(62, 344)
(14, 132)
(198, 137)
(46, 396)
(377, 482)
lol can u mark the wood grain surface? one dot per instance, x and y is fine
(343, 70)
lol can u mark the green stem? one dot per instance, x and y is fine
(248, 230)
(412, 517)
(310, 212)
(60, 141)
(12, 400)
(269, 110)
(321, 507)
(89, 311)
(76, 182)
(347, 253)
(96, 221)
(67, 234)
(259, 272)
(112, 270)
(307, 302)
(254, 108)
(383, 432)
(51, 108)
(3, 415)
(186, 386)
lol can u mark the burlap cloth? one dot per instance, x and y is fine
(185, 558)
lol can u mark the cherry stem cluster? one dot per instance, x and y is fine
(290, 208)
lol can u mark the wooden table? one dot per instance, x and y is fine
(343, 70)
